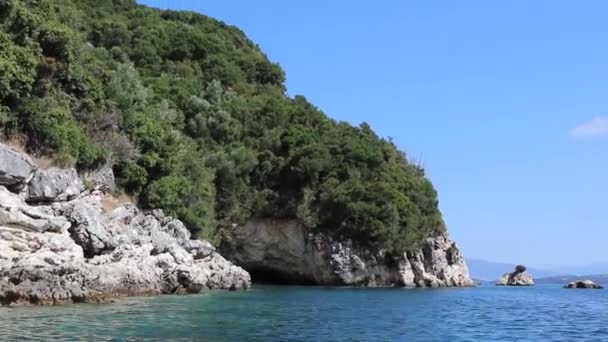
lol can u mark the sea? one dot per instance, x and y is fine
(308, 313)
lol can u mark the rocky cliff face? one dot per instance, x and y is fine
(285, 251)
(58, 244)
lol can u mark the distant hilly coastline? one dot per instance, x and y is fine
(484, 270)
(490, 270)
(601, 279)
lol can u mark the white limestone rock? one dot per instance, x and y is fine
(54, 185)
(519, 277)
(57, 245)
(16, 168)
(287, 251)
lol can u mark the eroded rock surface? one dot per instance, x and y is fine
(285, 251)
(54, 185)
(519, 277)
(15, 168)
(100, 179)
(65, 248)
(583, 284)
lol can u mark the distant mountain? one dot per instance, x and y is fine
(601, 279)
(597, 268)
(490, 271)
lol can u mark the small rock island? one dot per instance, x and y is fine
(583, 284)
(519, 277)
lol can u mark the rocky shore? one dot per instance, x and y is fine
(60, 242)
(285, 251)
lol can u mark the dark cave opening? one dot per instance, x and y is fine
(273, 277)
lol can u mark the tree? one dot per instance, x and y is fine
(195, 120)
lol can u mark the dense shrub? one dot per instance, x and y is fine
(195, 120)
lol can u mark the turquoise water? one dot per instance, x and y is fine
(275, 313)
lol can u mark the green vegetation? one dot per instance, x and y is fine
(195, 119)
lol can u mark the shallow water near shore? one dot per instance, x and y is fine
(298, 313)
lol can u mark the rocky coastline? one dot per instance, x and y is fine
(285, 251)
(61, 242)
(64, 242)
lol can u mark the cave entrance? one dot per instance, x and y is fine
(274, 277)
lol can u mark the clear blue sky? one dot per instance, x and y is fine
(504, 102)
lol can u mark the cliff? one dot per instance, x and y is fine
(285, 251)
(58, 244)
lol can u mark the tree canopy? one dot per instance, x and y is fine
(195, 119)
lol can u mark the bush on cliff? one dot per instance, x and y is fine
(195, 119)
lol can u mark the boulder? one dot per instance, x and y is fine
(89, 228)
(101, 179)
(519, 277)
(14, 212)
(199, 249)
(583, 284)
(54, 185)
(15, 168)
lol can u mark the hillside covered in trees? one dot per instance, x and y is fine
(195, 119)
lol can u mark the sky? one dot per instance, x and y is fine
(503, 102)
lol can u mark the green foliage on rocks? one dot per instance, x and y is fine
(195, 119)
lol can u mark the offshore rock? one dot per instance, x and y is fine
(583, 284)
(285, 251)
(519, 277)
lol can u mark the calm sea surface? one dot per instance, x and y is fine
(281, 313)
